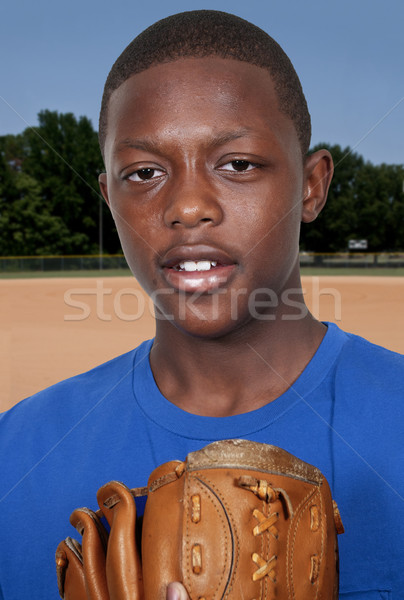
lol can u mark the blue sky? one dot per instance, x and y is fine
(349, 55)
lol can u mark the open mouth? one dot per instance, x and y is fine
(197, 268)
(195, 265)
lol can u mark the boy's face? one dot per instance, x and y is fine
(204, 172)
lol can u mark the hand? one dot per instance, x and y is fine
(176, 591)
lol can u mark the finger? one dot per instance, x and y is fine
(69, 571)
(176, 591)
(124, 573)
(94, 544)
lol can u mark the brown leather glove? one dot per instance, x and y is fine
(87, 571)
(237, 520)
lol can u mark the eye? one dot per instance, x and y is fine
(145, 174)
(239, 166)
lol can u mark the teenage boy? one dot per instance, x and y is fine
(205, 133)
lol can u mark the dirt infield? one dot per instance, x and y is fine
(52, 329)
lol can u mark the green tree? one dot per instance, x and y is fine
(365, 201)
(49, 198)
(27, 226)
(380, 205)
(63, 154)
(50, 201)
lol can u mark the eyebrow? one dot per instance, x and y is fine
(228, 136)
(138, 144)
(149, 145)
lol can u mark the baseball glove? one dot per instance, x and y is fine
(236, 520)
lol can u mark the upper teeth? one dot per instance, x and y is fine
(197, 265)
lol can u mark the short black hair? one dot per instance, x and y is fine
(201, 33)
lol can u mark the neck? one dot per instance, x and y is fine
(237, 372)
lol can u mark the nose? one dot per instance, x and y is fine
(192, 201)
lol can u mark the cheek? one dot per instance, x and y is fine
(270, 215)
(134, 223)
(138, 245)
(284, 214)
(271, 238)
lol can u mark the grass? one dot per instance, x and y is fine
(369, 271)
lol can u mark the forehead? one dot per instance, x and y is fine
(207, 95)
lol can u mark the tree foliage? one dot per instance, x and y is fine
(49, 194)
(50, 201)
(365, 201)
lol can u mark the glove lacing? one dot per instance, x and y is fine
(264, 491)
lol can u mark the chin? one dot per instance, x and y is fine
(210, 328)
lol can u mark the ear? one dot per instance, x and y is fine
(103, 183)
(318, 172)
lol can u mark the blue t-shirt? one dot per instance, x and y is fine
(344, 414)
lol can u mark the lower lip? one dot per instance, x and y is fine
(199, 281)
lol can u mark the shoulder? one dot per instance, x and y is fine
(66, 430)
(368, 389)
(363, 363)
(73, 395)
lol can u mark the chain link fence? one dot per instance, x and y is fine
(351, 260)
(15, 264)
(117, 262)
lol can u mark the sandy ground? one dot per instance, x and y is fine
(51, 329)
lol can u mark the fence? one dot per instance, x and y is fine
(363, 260)
(13, 264)
(351, 260)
